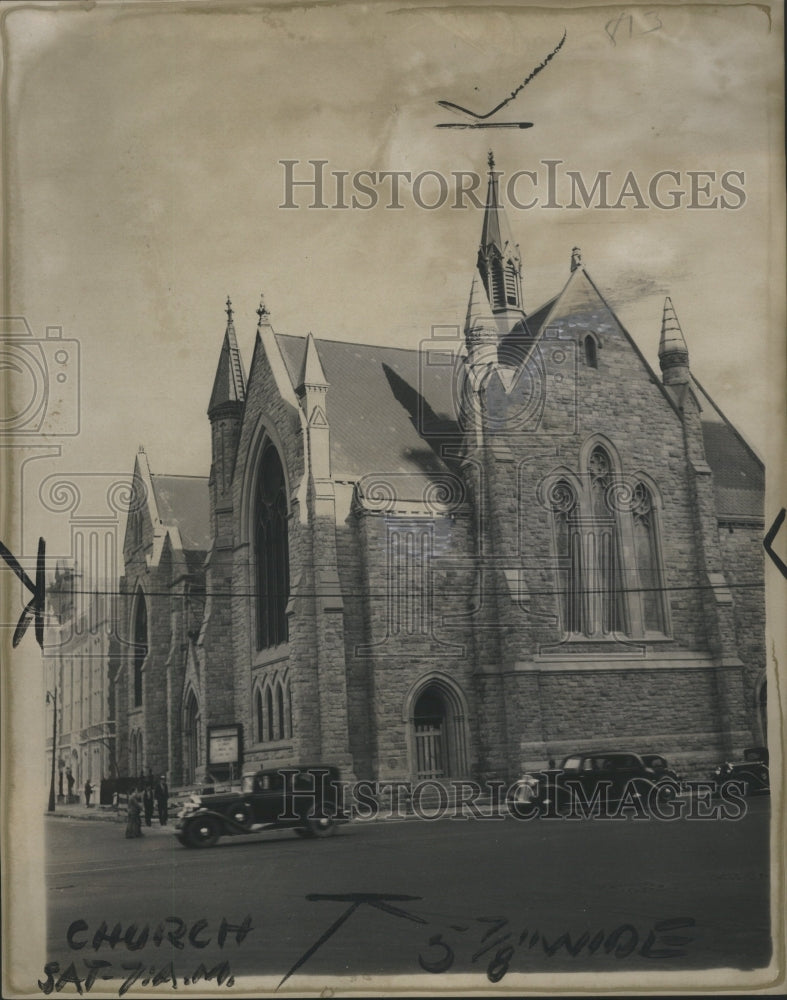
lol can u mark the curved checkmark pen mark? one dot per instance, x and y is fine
(483, 117)
(768, 541)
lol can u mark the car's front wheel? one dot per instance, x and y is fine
(203, 831)
(318, 826)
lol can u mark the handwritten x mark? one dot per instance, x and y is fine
(34, 610)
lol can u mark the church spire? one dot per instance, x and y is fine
(499, 261)
(673, 352)
(229, 385)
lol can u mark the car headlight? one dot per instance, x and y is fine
(192, 804)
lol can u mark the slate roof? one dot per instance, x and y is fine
(184, 501)
(738, 474)
(378, 398)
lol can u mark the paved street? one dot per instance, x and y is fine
(489, 897)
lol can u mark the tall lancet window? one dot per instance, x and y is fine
(271, 552)
(568, 543)
(140, 645)
(643, 514)
(603, 550)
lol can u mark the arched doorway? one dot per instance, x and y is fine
(438, 732)
(190, 739)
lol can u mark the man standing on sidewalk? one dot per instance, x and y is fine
(162, 799)
(88, 793)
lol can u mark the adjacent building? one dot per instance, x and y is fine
(80, 659)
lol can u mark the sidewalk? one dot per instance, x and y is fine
(108, 814)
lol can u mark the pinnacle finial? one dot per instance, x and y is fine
(576, 259)
(490, 159)
(228, 310)
(262, 309)
(142, 449)
(673, 352)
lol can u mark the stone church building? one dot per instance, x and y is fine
(457, 560)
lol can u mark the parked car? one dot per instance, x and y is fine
(752, 771)
(306, 799)
(581, 776)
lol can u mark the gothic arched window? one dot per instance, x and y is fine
(591, 351)
(603, 549)
(273, 709)
(259, 715)
(569, 554)
(646, 546)
(269, 713)
(271, 551)
(280, 730)
(288, 711)
(609, 567)
(140, 645)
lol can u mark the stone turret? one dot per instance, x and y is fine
(225, 412)
(673, 352)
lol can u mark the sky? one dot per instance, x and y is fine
(144, 183)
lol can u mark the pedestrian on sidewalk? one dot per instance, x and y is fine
(162, 799)
(134, 821)
(88, 793)
(70, 780)
(147, 804)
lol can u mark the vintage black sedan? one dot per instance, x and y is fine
(752, 772)
(306, 799)
(604, 777)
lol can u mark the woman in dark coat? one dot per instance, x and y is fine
(133, 823)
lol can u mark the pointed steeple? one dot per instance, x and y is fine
(499, 260)
(312, 374)
(673, 352)
(229, 385)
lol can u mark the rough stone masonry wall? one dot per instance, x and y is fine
(362, 736)
(393, 661)
(155, 680)
(657, 711)
(620, 404)
(743, 557)
(215, 651)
